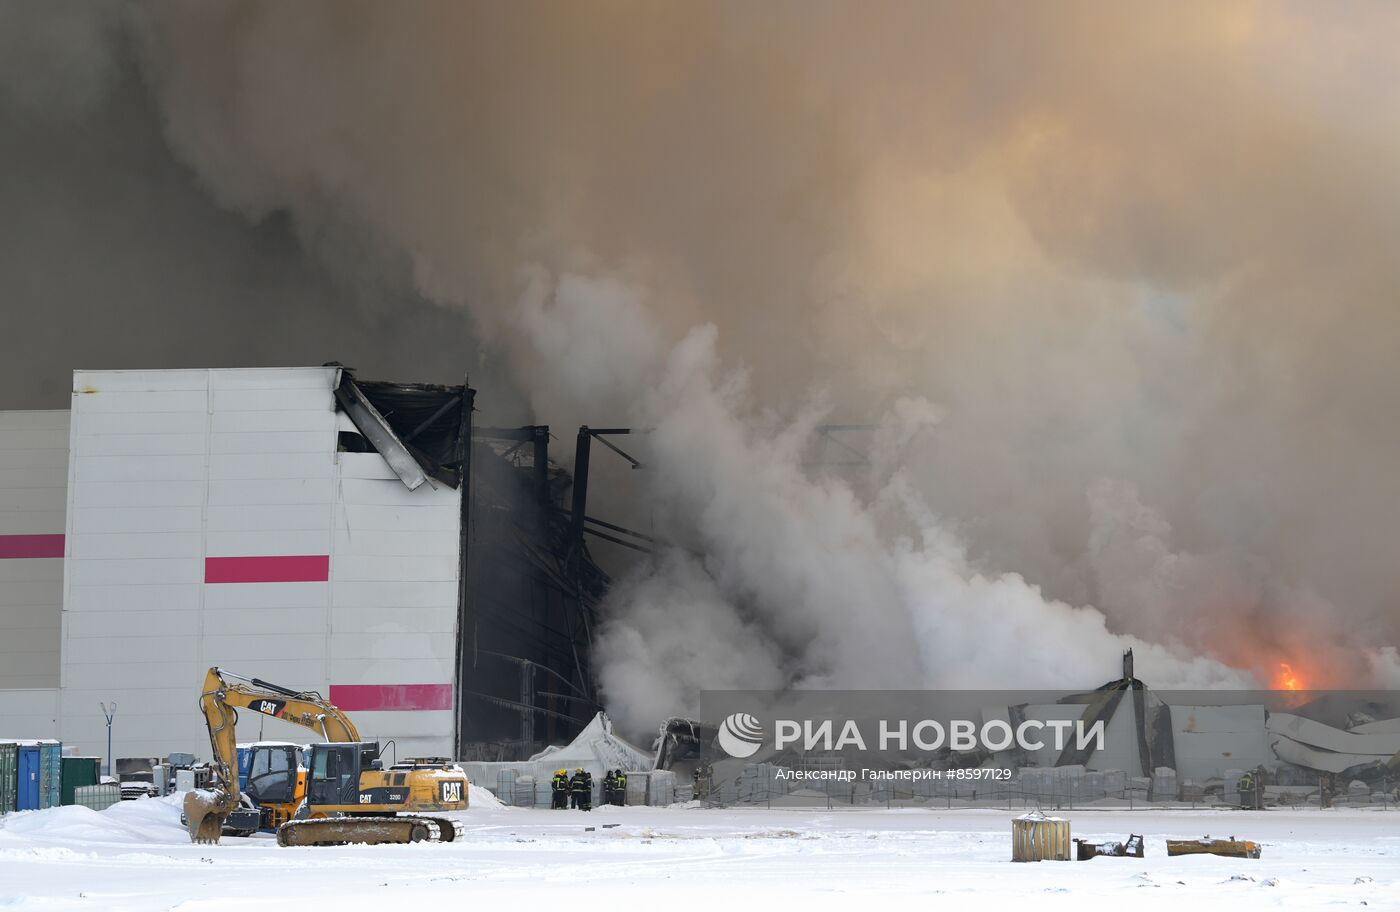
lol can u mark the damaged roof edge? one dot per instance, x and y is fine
(378, 432)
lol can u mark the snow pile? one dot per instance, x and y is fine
(144, 822)
(481, 797)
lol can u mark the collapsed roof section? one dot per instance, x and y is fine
(421, 429)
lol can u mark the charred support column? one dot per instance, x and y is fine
(466, 617)
(541, 440)
(527, 702)
(582, 452)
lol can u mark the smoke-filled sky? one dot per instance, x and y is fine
(1136, 258)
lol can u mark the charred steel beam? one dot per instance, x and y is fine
(518, 707)
(377, 431)
(427, 422)
(623, 529)
(614, 447)
(618, 541)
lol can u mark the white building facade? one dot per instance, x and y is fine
(212, 517)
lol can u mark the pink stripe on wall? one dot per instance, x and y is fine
(368, 697)
(282, 568)
(20, 546)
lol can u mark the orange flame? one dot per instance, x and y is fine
(1287, 679)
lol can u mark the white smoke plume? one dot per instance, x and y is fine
(771, 577)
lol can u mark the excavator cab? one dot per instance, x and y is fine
(335, 773)
(275, 781)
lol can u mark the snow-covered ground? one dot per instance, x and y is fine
(136, 856)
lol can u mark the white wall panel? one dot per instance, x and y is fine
(290, 465)
(143, 401)
(401, 568)
(377, 542)
(21, 434)
(248, 544)
(83, 599)
(299, 421)
(140, 445)
(29, 713)
(272, 400)
(95, 495)
(33, 501)
(152, 644)
(46, 477)
(357, 670)
(272, 492)
(138, 468)
(30, 657)
(115, 545)
(374, 619)
(29, 592)
(262, 442)
(142, 423)
(266, 621)
(254, 647)
(141, 671)
(44, 500)
(424, 723)
(27, 458)
(391, 492)
(119, 623)
(237, 597)
(390, 596)
(136, 571)
(25, 522)
(428, 518)
(128, 520)
(35, 570)
(322, 379)
(269, 517)
(95, 382)
(394, 645)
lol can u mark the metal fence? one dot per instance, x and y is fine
(97, 797)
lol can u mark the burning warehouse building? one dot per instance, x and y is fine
(317, 530)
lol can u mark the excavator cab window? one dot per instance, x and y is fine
(335, 774)
(273, 773)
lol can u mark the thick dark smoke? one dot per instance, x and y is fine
(113, 254)
(1138, 256)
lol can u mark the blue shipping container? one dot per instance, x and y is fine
(27, 798)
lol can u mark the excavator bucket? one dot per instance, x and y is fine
(205, 813)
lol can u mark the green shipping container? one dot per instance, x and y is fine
(78, 772)
(9, 776)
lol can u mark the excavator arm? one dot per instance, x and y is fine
(222, 695)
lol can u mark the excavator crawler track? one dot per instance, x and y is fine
(364, 831)
(450, 829)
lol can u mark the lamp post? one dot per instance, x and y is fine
(109, 713)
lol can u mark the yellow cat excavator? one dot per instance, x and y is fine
(349, 797)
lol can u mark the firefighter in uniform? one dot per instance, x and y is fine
(581, 790)
(559, 789)
(619, 788)
(1246, 790)
(609, 784)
